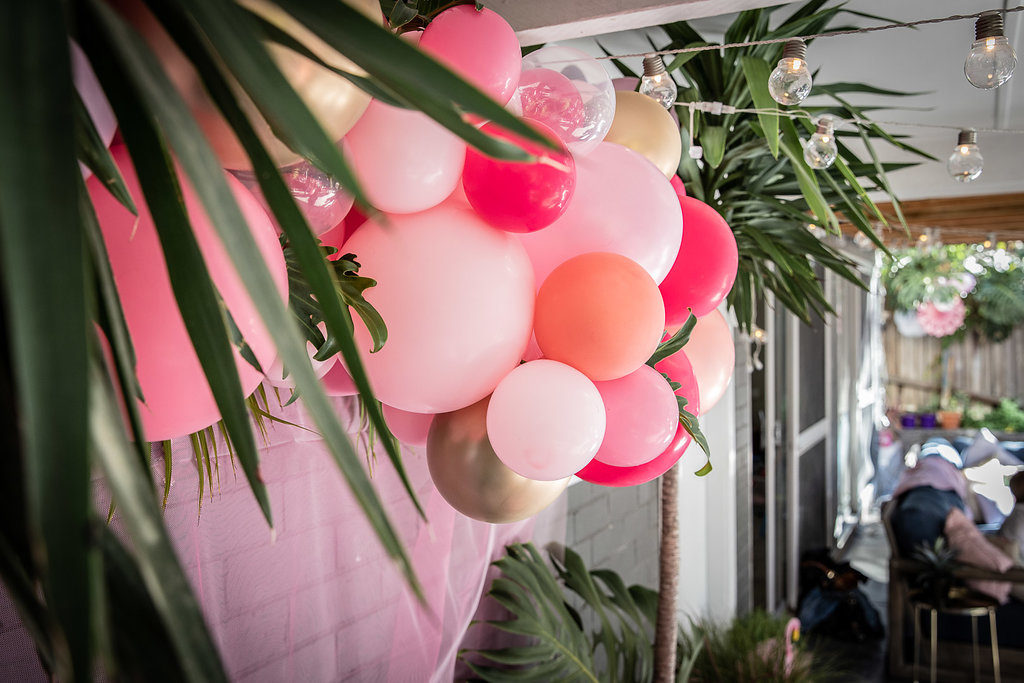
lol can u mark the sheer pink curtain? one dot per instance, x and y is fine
(317, 599)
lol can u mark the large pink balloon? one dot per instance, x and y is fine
(403, 159)
(478, 45)
(705, 267)
(409, 428)
(711, 352)
(545, 420)
(642, 416)
(520, 196)
(457, 297)
(89, 89)
(622, 204)
(337, 381)
(178, 398)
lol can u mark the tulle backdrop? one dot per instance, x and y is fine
(318, 599)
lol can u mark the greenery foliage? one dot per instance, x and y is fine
(1008, 416)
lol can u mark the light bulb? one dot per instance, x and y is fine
(657, 83)
(790, 82)
(991, 61)
(965, 163)
(821, 151)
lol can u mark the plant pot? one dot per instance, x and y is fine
(908, 420)
(927, 420)
(950, 419)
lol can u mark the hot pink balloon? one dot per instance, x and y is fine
(711, 352)
(409, 428)
(545, 420)
(337, 381)
(178, 398)
(678, 368)
(520, 196)
(457, 296)
(89, 89)
(403, 159)
(677, 185)
(479, 45)
(622, 204)
(548, 97)
(705, 268)
(641, 415)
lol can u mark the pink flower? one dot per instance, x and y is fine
(941, 320)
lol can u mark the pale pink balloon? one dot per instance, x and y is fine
(622, 204)
(712, 356)
(403, 159)
(337, 381)
(545, 420)
(533, 351)
(89, 89)
(478, 45)
(457, 297)
(642, 416)
(178, 398)
(409, 428)
(276, 375)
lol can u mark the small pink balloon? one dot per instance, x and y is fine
(711, 352)
(677, 185)
(705, 267)
(548, 97)
(409, 428)
(641, 415)
(596, 472)
(478, 45)
(178, 397)
(545, 420)
(457, 296)
(276, 374)
(520, 196)
(404, 160)
(622, 204)
(89, 89)
(337, 381)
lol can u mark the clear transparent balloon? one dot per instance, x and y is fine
(821, 151)
(965, 163)
(321, 199)
(570, 92)
(990, 63)
(790, 82)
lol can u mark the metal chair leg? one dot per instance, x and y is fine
(917, 642)
(974, 648)
(935, 645)
(995, 645)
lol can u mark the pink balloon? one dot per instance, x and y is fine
(677, 185)
(622, 204)
(178, 398)
(89, 89)
(409, 428)
(548, 97)
(337, 381)
(403, 159)
(322, 200)
(457, 296)
(545, 420)
(678, 368)
(641, 415)
(533, 351)
(479, 45)
(626, 83)
(705, 268)
(712, 355)
(519, 196)
(276, 375)
(596, 472)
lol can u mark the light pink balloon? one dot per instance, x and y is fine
(479, 45)
(409, 428)
(642, 416)
(404, 161)
(622, 204)
(89, 89)
(275, 373)
(337, 381)
(178, 398)
(533, 351)
(712, 356)
(457, 297)
(545, 420)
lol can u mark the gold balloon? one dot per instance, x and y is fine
(472, 479)
(336, 103)
(646, 127)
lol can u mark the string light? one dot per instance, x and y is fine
(965, 163)
(657, 83)
(821, 150)
(991, 61)
(790, 82)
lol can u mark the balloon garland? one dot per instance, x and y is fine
(525, 303)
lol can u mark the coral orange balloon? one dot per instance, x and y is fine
(601, 313)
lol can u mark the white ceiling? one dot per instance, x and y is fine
(929, 59)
